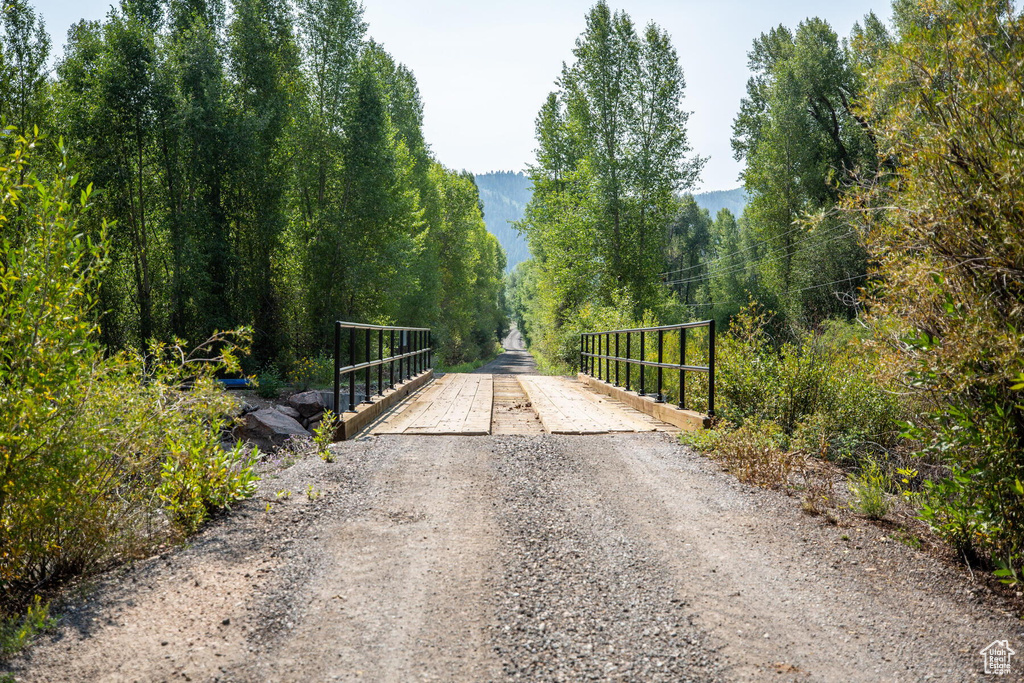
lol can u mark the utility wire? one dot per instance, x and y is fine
(736, 267)
(738, 251)
(788, 291)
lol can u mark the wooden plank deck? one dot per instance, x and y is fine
(465, 404)
(566, 408)
(455, 404)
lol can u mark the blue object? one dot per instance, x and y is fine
(242, 383)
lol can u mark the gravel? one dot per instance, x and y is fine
(580, 600)
(539, 558)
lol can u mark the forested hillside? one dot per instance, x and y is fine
(505, 195)
(713, 202)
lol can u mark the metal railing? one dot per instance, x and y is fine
(596, 358)
(408, 348)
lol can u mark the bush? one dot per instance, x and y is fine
(314, 372)
(101, 456)
(868, 488)
(822, 389)
(269, 383)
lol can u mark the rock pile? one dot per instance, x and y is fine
(269, 428)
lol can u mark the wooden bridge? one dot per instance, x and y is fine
(507, 396)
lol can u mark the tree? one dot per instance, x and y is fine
(803, 141)
(24, 50)
(611, 162)
(264, 62)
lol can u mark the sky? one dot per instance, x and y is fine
(484, 67)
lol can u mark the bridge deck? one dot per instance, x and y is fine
(465, 404)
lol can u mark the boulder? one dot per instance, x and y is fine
(268, 428)
(290, 412)
(308, 403)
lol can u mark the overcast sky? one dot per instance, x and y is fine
(485, 66)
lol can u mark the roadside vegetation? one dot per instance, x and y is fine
(104, 454)
(869, 297)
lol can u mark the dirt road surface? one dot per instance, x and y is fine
(516, 360)
(528, 557)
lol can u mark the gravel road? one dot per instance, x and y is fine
(534, 558)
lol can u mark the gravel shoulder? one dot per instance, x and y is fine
(561, 558)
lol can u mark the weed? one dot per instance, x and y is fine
(869, 490)
(753, 453)
(313, 494)
(283, 495)
(323, 435)
(819, 496)
(269, 383)
(15, 633)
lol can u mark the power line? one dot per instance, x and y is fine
(736, 267)
(738, 251)
(788, 291)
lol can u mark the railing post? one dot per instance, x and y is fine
(367, 398)
(661, 356)
(643, 368)
(380, 357)
(430, 353)
(401, 352)
(616, 359)
(352, 373)
(391, 369)
(607, 361)
(629, 365)
(711, 369)
(337, 367)
(682, 373)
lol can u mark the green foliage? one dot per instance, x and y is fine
(822, 389)
(611, 159)
(313, 372)
(269, 383)
(802, 140)
(17, 632)
(869, 488)
(323, 435)
(101, 454)
(267, 170)
(943, 222)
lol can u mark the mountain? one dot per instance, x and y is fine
(505, 195)
(734, 200)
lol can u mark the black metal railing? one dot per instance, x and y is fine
(409, 352)
(597, 358)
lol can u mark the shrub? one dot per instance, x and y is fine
(101, 456)
(869, 490)
(314, 372)
(269, 383)
(755, 454)
(821, 388)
